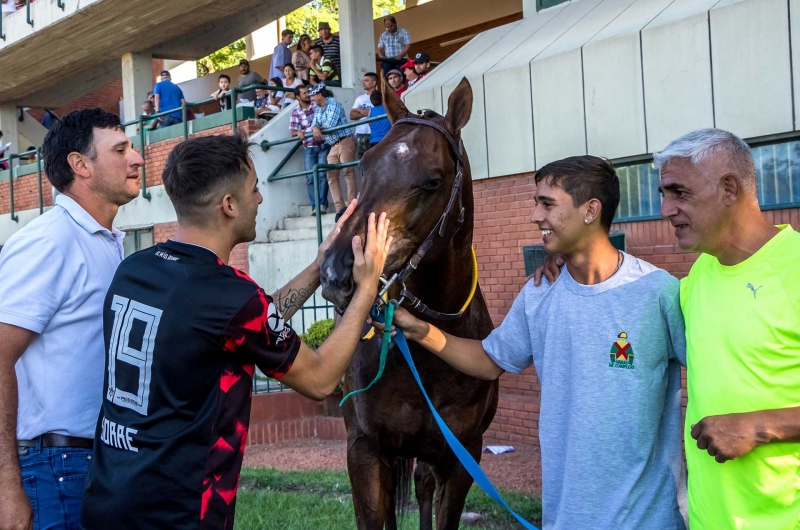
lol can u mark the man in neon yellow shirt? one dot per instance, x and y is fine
(741, 304)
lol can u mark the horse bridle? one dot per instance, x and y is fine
(437, 231)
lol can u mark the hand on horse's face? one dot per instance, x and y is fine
(369, 260)
(335, 232)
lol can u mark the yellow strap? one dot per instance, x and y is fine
(473, 289)
(474, 281)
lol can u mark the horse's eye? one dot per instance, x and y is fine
(431, 185)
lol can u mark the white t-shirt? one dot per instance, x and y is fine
(54, 274)
(362, 102)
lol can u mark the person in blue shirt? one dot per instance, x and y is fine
(168, 96)
(380, 128)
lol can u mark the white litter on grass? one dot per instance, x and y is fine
(498, 449)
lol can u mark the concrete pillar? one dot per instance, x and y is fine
(357, 39)
(9, 115)
(137, 81)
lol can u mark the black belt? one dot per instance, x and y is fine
(57, 440)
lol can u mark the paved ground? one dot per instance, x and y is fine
(517, 471)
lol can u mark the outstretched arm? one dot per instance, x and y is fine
(465, 355)
(291, 297)
(315, 374)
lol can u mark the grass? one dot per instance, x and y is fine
(270, 499)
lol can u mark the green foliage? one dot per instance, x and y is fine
(223, 58)
(302, 20)
(317, 333)
(306, 19)
(271, 499)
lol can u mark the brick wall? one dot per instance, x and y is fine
(503, 207)
(26, 193)
(106, 97)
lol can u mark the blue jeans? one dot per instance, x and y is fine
(54, 479)
(171, 120)
(312, 156)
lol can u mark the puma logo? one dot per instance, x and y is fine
(754, 289)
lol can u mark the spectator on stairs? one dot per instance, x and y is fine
(301, 58)
(330, 44)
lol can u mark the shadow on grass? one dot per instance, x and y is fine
(270, 499)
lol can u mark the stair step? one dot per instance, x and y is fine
(297, 234)
(291, 223)
(305, 211)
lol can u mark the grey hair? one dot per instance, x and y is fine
(697, 146)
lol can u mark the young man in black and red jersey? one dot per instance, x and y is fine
(184, 333)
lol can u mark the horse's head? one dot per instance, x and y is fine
(410, 176)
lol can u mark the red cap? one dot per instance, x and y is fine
(408, 64)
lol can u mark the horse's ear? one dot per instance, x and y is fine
(459, 107)
(395, 108)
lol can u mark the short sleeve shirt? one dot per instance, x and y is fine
(331, 50)
(362, 102)
(393, 44)
(743, 354)
(184, 333)
(252, 78)
(170, 96)
(608, 360)
(54, 274)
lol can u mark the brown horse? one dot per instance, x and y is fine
(411, 175)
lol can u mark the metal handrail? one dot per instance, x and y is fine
(183, 109)
(28, 7)
(11, 176)
(61, 4)
(265, 146)
(2, 35)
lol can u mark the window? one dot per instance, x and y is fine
(136, 240)
(777, 171)
(638, 192)
(544, 4)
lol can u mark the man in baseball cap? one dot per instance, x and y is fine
(410, 72)
(422, 64)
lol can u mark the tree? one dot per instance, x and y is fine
(307, 18)
(223, 58)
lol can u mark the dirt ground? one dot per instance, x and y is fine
(517, 471)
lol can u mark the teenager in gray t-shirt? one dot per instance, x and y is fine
(607, 340)
(610, 416)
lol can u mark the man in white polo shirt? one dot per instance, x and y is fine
(54, 274)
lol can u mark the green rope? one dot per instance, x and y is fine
(387, 341)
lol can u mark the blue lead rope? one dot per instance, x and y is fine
(461, 453)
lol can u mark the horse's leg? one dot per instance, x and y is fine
(371, 479)
(424, 486)
(454, 484)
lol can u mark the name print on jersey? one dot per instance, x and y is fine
(117, 435)
(130, 353)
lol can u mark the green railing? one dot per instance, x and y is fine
(140, 121)
(60, 4)
(265, 146)
(11, 174)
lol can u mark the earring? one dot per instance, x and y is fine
(586, 221)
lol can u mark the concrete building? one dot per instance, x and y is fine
(551, 78)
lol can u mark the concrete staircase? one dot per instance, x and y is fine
(302, 228)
